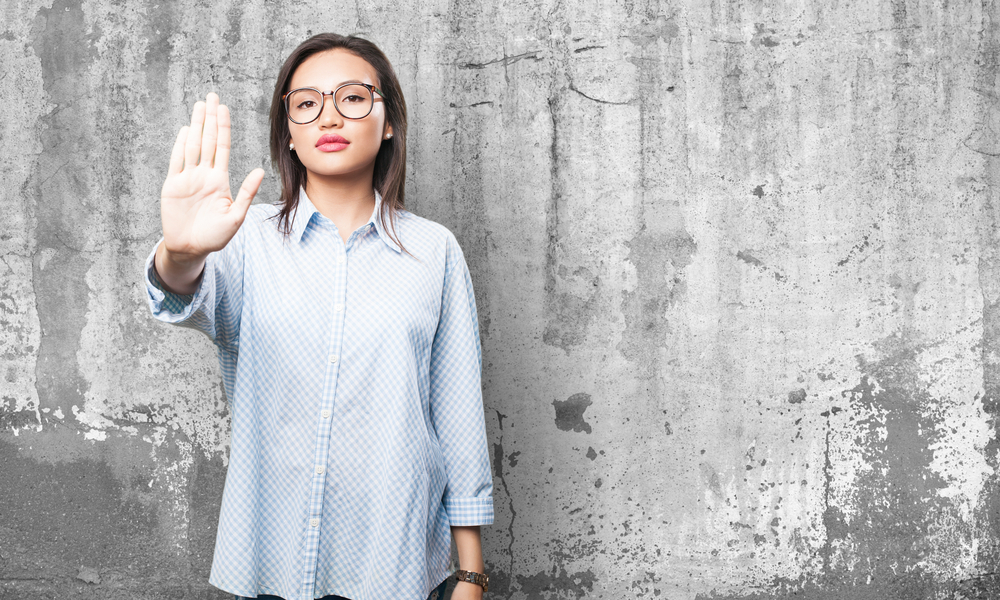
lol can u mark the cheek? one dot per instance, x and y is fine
(370, 134)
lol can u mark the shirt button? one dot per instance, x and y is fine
(325, 413)
(338, 308)
(314, 522)
(341, 260)
(334, 358)
(319, 470)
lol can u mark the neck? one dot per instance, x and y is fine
(347, 200)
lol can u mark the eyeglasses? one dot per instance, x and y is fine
(352, 101)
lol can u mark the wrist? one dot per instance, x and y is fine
(178, 274)
(477, 579)
(182, 261)
(469, 588)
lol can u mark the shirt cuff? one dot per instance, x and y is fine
(168, 306)
(469, 511)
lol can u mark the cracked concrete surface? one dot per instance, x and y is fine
(736, 265)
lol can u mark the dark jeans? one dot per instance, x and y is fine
(436, 594)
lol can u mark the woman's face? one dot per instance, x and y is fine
(325, 71)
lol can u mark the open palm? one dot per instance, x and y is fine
(196, 205)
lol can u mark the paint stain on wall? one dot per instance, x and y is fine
(572, 307)
(569, 413)
(645, 307)
(557, 583)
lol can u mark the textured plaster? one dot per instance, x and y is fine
(736, 264)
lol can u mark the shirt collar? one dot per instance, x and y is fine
(306, 209)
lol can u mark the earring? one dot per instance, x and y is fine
(388, 135)
(291, 145)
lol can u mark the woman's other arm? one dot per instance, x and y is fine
(470, 558)
(193, 273)
(456, 405)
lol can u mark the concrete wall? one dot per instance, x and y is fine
(736, 261)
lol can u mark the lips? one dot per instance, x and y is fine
(331, 138)
(331, 142)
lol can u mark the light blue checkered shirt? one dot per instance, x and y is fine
(353, 378)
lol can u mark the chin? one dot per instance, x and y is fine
(331, 170)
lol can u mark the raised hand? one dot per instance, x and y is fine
(197, 208)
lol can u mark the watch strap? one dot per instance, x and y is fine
(480, 579)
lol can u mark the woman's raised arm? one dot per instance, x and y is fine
(197, 210)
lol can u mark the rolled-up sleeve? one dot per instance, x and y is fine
(214, 309)
(456, 400)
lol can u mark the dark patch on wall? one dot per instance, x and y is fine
(710, 477)
(162, 23)
(857, 248)
(11, 419)
(749, 258)
(542, 586)
(499, 579)
(797, 396)
(904, 586)
(645, 307)
(570, 312)
(661, 238)
(208, 479)
(763, 36)
(659, 27)
(569, 413)
(234, 17)
(900, 493)
(499, 472)
(565, 313)
(57, 517)
(591, 453)
(759, 191)
(65, 50)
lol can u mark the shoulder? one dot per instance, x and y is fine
(421, 233)
(427, 240)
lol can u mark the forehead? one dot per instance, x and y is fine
(326, 70)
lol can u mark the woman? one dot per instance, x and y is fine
(347, 335)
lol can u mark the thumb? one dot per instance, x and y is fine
(248, 190)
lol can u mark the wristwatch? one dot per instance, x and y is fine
(480, 579)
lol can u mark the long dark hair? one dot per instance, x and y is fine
(390, 162)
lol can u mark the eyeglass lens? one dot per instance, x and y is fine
(353, 101)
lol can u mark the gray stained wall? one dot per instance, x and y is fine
(736, 264)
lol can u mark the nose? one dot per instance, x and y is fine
(329, 116)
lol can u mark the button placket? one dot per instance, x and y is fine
(325, 423)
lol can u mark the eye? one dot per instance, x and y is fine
(353, 98)
(305, 104)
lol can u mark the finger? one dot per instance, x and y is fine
(211, 133)
(193, 145)
(248, 190)
(225, 131)
(177, 154)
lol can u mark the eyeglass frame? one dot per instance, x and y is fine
(323, 95)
